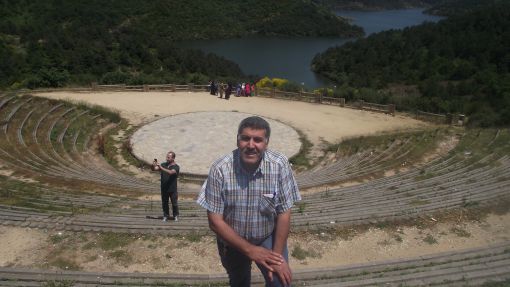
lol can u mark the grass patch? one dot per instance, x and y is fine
(301, 207)
(57, 238)
(111, 240)
(467, 203)
(89, 245)
(121, 256)
(430, 239)
(107, 113)
(64, 263)
(419, 202)
(301, 160)
(384, 242)
(15, 193)
(398, 238)
(91, 258)
(421, 141)
(194, 237)
(460, 232)
(59, 283)
(424, 176)
(115, 145)
(301, 254)
(491, 283)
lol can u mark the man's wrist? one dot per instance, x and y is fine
(248, 250)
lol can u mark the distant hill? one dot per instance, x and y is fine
(460, 64)
(57, 42)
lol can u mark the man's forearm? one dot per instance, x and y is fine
(223, 230)
(281, 232)
(169, 171)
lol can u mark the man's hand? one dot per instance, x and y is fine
(283, 272)
(265, 257)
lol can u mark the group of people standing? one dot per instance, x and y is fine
(222, 89)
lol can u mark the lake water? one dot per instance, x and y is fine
(290, 58)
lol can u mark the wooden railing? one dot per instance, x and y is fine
(448, 119)
(389, 109)
(146, 88)
(320, 99)
(277, 94)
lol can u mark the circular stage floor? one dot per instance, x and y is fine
(199, 138)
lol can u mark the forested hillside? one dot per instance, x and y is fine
(57, 42)
(376, 4)
(460, 64)
(452, 7)
(436, 7)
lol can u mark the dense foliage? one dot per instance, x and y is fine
(452, 7)
(459, 65)
(377, 4)
(437, 7)
(60, 42)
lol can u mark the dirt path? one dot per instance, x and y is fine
(319, 122)
(23, 247)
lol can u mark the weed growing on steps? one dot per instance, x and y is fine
(430, 239)
(301, 254)
(58, 283)
(301, 161)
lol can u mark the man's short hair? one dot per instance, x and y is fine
(173, 154)
(256, 123)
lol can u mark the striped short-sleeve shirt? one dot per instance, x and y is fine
(250, 202)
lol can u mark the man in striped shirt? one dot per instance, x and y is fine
(248, 196)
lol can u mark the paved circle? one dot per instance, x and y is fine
(199, 138)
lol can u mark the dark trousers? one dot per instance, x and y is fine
(238, 265)
(165, 196)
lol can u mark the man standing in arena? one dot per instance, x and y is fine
(169, 173)
(248, 196)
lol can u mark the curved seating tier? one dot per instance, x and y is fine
(51, 141)
(400, 151)
(45, 143)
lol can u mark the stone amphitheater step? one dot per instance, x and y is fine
(480, 265)
(358, 165)
(337, 172)
(363, 204)
(455, 181)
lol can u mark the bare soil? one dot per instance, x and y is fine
(34, 248)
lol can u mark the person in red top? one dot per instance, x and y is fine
(247, 90)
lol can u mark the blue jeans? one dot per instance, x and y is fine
(238, 265)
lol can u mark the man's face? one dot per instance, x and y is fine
(169, 157)
(252, 143)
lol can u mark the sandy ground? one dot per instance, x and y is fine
(318, 122)
(23, 247)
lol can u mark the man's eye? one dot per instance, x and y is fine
(248, 138)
